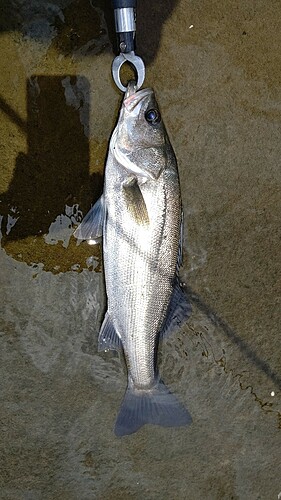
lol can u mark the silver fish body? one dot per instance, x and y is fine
(139, 217)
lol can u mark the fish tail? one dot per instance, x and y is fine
(156, 406)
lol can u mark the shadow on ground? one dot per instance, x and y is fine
(55, 170)
(232, 335)
(80, 24)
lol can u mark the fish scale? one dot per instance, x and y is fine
(150, 263)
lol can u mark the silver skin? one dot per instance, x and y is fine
(141, 233)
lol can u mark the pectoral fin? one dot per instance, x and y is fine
(91, 227)
(135, 202)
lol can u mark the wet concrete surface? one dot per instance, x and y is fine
(215, 67)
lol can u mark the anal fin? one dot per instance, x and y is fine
(108, 337)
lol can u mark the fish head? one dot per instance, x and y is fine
(140, 141)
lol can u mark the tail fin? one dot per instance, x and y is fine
(154, 406)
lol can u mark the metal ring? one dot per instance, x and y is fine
(138, 64)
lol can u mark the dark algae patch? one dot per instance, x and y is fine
(82, 28)
(55, 258)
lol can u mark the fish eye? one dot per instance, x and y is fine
(152, 116)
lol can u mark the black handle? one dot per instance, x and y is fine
(125, 24)
(122, 4)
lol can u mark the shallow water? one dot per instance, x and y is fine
(217, 83)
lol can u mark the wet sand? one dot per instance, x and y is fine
(216, 70)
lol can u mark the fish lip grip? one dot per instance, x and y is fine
(125, 25)
(135, 61)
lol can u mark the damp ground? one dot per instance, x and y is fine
(216, 70)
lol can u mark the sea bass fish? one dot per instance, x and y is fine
(139, 218)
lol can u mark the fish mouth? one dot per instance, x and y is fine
(134, 97)
(131, 89)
